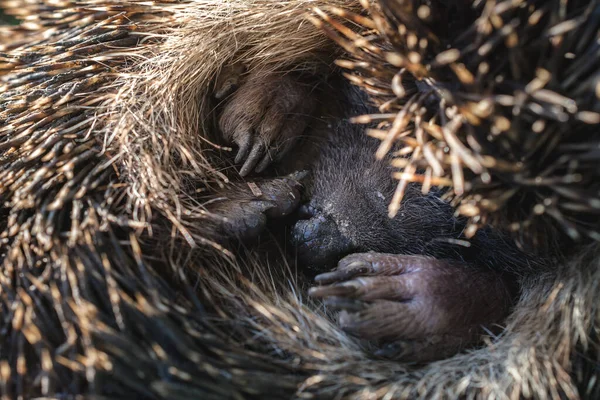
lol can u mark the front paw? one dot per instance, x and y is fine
(264, 117)
(420, 308)
(243, 210)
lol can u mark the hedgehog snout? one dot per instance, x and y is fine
(317, 239)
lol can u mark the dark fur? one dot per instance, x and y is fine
(351, 191)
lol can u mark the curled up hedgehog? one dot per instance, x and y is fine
(173, 174)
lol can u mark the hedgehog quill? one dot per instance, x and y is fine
(118, 277)
(497, 85)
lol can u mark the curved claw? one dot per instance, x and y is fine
(341, 274)
(229, 80)
(244, 143)
(339, 289)
(371, 288)
(265, 162)
(253, 158)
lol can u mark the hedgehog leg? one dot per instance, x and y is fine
(247, 206)
(419, 307)
(265, 116)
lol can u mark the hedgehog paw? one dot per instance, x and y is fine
(229, 80)
(264, 117)
(247, 206)
(420, 308)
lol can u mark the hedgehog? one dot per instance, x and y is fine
(114, 280)
(391, 272)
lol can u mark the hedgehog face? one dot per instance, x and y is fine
(348, 209)
(347, 212)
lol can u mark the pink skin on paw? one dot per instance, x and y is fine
(391, 297)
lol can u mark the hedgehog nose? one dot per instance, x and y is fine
(318, 241)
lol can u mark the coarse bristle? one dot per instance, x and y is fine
(100, 107)
(110, 286)
(501, 104)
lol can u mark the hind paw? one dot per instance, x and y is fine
(413, 303)
(264, 117)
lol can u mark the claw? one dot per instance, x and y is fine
(229, 80)
(339, 289)
(341, 303)
(264, 117)
(244, 143)
(341, 274)
(252, 159)
(265, 162)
